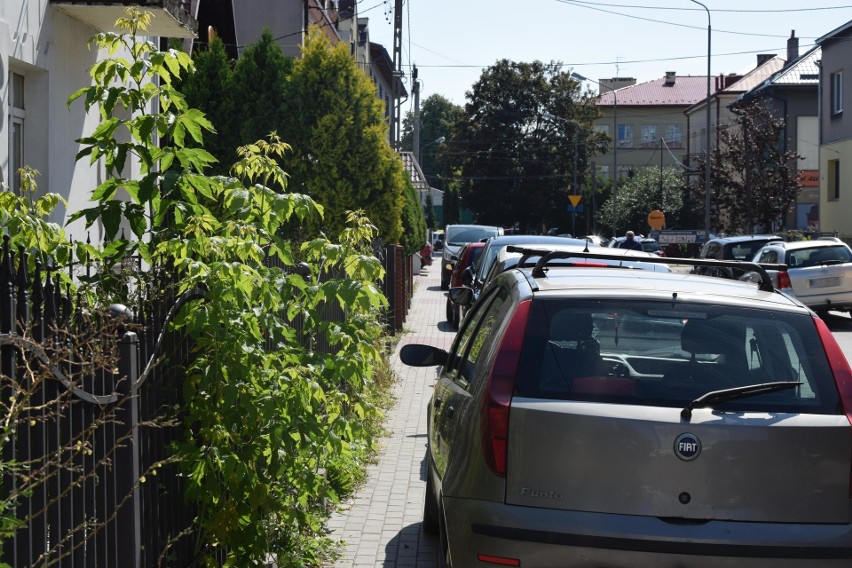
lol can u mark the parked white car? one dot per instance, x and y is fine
(819, 272)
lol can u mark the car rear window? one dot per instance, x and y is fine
(667, 354)
(818, 255)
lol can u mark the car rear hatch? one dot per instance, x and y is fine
(821, 284)
(631, 435)
(637, 460)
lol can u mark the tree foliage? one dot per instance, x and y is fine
(639, 195)
(341, 155)
(273, 427)
(414, 234)
(260, 85)
(452, 208)
(438, 118)
(754, 175)
(211, 90)
(516, 165)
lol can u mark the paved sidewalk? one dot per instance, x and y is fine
(380, 525)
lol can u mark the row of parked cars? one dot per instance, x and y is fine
(598, 408)
(818, 272)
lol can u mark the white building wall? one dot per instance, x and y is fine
(49, 49)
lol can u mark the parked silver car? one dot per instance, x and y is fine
(593, 416)
(819, 272)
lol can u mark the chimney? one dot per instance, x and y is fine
(671, 76)
(763, 58)
(792, 47)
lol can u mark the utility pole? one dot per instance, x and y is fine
(397, 74)
(594, 170)
(415, 132)
(574, 180)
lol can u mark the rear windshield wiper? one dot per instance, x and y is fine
(714, 397)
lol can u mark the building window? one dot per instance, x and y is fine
(649, 136)
(602, 129)
(837, 92)
(833, 180)
(625, 136)
(17, 117)
(603, 171)
(674, 136)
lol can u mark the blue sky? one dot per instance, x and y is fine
(451, 41)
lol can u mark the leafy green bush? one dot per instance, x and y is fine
(266, 413)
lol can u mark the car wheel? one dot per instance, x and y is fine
(430, 508)
(449, 311)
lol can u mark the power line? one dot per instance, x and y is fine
(591, 6)
(720, 10)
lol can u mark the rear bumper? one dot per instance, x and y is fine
(548, 537)
(837, 301)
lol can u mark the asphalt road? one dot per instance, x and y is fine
(840, 325)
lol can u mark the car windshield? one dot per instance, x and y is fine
(462, 235)
(818, 255)
(650, 246)
(664, 354)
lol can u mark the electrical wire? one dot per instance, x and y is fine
(720, 10)
(591, 6)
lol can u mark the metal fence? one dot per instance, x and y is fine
(94, 443)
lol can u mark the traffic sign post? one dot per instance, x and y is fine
(575, 202)
(656, 219)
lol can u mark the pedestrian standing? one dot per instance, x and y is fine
(630, 242)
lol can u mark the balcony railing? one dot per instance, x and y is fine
(172, 18)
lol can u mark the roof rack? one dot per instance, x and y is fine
(544, 257)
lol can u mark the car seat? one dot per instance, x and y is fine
(572, 351)
(725, 364)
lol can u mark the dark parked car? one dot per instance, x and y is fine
(493, 246)
(595, 416)
(741, 247)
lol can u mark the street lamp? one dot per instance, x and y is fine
(419, 149)
(614, 142)
(707, 149)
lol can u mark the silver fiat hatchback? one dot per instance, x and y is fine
(595, 416)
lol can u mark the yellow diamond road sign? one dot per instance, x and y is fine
(575, 200)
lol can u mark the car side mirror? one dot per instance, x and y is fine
(462, 296)
(419, 355)
(467, 276)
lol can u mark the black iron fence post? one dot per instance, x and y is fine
(127, 474)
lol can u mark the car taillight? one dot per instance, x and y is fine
(841, 371)
(494, 419)
(784, 281)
